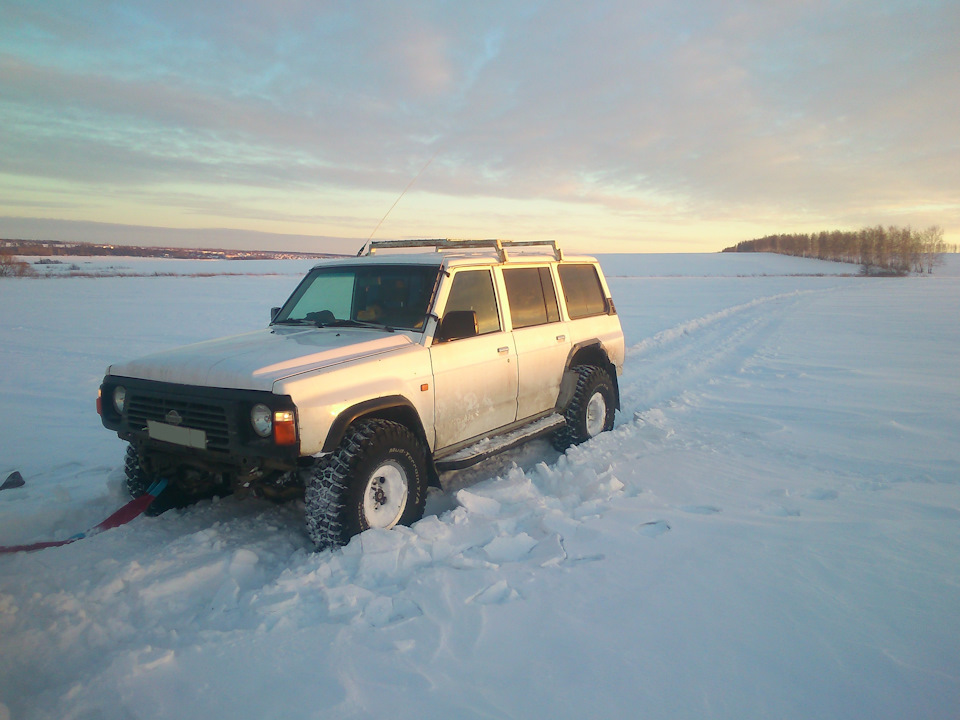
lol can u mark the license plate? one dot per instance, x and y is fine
(177, 435)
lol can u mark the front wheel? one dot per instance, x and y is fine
(591, 410)
(376, 478)
(183, 487)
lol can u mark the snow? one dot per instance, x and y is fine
(770, 530)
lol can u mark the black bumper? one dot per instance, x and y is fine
(221, 414)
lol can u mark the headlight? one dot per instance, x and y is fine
(261, 417)
(119, 398)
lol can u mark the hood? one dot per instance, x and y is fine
(256, 360)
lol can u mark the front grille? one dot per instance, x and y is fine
(210, 418)
(223, 414)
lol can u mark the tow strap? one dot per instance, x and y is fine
(122, 516)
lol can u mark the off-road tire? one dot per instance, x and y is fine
(341, 485)
(594, 396)
(136, 479)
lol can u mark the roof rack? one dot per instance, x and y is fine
(501, 246)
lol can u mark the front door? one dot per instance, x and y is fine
(475, 379)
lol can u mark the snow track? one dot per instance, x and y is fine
(678, 360)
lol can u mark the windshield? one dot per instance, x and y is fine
(390, 296)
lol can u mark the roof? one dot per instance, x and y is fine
(454, 253)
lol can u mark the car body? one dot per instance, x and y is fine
(463, 350)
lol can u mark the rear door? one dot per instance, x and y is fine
(541, 338)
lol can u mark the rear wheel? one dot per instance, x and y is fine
(376, 478)
(591, 410)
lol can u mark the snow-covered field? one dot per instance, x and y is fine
(772, 530)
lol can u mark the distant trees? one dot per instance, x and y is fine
(878, 250)
(11, 267)
(933, 248)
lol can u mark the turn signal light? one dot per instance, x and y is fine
(284, 428)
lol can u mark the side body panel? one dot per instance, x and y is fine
(320, 397)
(542, 353)
(542, 350)
(475, 383)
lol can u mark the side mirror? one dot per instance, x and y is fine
(456, 325)
(273, 313)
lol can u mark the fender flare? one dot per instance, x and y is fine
(586, 352)
(389, 407)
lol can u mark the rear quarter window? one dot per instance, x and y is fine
(582, 291)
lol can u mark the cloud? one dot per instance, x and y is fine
(685, 110)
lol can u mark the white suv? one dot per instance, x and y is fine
(378, 373)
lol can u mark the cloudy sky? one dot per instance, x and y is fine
(662, 125)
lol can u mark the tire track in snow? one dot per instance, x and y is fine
(677, 360)
(685, 328)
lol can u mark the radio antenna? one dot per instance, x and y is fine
(409, 185)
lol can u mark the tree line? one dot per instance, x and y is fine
(878, 250)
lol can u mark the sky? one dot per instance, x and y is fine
(610, 125)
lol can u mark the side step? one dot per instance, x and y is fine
(490, 446)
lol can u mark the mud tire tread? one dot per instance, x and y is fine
(332, 484)
(591, 378)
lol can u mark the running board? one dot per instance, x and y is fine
(491, 446)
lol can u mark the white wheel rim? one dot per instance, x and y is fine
(596, 414)
(385, 496)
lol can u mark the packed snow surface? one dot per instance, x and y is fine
(772, 529)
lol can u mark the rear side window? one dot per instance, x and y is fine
(473, 290)
(582, 291)
(533, 301)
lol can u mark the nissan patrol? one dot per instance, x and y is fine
(378, 373)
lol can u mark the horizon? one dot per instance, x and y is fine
(114, 235)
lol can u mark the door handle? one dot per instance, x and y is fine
(561, 338)
(503, 350)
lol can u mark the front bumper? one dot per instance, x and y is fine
(201, 426)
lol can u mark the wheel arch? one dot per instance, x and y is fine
(391, 407)
(587, 352)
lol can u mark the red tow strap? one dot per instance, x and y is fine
(122, 516)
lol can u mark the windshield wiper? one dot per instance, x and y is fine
(294, 321)
(334, 323)
(357, 323)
